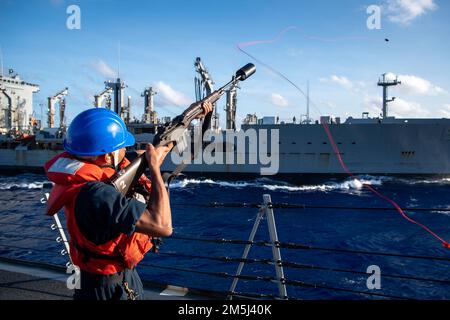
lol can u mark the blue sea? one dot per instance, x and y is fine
(25, 233)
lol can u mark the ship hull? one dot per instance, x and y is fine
(381, 149)
(413, 147)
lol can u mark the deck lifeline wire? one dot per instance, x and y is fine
(285, 245)
(245, 277)
(283, 206)
(296, 265)
(302, 206)
(279, 262)
(287, 264)
(297, 283)
(288, 245)
(272, 279)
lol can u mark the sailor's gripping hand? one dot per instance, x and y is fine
(207, 108)
(155, 156)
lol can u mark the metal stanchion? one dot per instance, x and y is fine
(264, 210)
(276, 253)
(62, 235)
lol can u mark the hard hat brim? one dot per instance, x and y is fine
(129, 141)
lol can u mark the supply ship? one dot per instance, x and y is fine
(368, 145)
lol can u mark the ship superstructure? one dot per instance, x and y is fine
(367, 145)
(16, 104)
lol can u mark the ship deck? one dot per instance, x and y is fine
(27, 281)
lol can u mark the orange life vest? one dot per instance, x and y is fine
(69, 174)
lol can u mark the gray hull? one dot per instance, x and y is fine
(25, 160)
(416, 147)
(396, 146)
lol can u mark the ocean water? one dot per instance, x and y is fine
(25, 233)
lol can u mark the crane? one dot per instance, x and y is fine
(105, 95)
(204, 86)
(149, 112)
(8, 114)
(59, 97)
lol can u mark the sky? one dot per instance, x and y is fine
(327, 43)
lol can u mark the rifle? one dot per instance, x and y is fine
(125, 180)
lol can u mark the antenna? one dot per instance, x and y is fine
(383, 82)
(307, 102)
(118, 64)
(1, 61)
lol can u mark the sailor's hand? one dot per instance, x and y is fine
(155, 156)
(207, 108)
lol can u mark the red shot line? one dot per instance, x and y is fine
(240, 47)
(325, 126)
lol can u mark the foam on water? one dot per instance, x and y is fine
(272, 185)
(22, 185)
(438, 181)
(362, 230)
(24, 181)
(185, 182)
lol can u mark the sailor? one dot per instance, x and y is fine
(109, 233)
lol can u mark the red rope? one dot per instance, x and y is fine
(445, 243)
(240, 47)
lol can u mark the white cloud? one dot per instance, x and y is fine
(416, 85)
(354, 87)
(398, 108)
(169, 96)
(342, 81)
(373, 105)
(407, 109)
(103, 69)
(405, 11)
(444, 112)
(330, 104)
(279, 100)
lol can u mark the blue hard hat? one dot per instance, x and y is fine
(95, 132)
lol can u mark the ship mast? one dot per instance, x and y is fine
(204, 86)
(126, 112)
(51, 106)
(62, 117)
(385, 84)
(149, 112)
(307, 103)
(117, 87)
